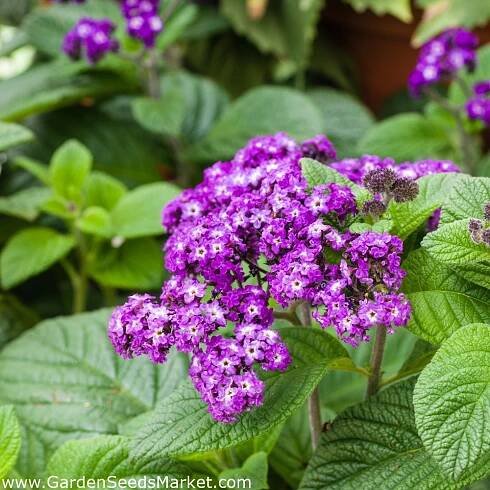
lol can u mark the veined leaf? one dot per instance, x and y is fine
(9, 439)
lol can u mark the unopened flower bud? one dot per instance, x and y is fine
(374, 207)
(404, 189)
(475, 225)
(486, 211)
(379, 180)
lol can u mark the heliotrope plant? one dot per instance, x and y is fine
(254, 234)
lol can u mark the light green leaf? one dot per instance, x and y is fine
(177, 25)
(398, 8)
(37, 169)
(452, 244)
(375, 446)
(442, 301)
(108, 456)
(60, 207)
(407, 136)
(181, 424)
(287, 29)
(466, 199)
(137, 264)
(317, 173)
(253, 469)
(24, 204)
(139, 212)
(205, 101)
(66, 382)
(103, 190)
(9, 439)
(95, 221)
(478, 273)
(263, 110)
(69, 167)
(345, 119)
(30, 252)
(164, 115)
(13, 135)
(452, 404)
(433, 190)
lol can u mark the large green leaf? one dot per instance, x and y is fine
(374, 446)
(15, 318)
(66, 382)
(287, 29)
(253, 469)
(181, 424)
(13, 135)
(466, 199)
(9, 439)
(30, 252)
(452, 404)
(108, 456)
(442, 300)
(407, 136)
(433, 190)
(452, 244)
(103, 190)
(139, 212)
(263, 110)
(136, 264)
(25, 204)
(345, 119)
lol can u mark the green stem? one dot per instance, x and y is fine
(314, 414)
(376, 360)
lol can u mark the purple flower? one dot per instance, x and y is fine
(90, 38)
(478, 106)
(441, 57)
(143, 21)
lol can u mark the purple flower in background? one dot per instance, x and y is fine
(443, 56)
(143, 21)
(478, 106)
(90, 38)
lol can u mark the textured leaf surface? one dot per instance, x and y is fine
(452, 403)
(264, 110)
(375, 446)
(139, 212)
(452, 244)
(13, 135)
(442, 301)
(466, 199)
(30, 252)
(108, 456)
(24, 204)
(181, 424)
(9, 439)
(433, 190)
(65, 382)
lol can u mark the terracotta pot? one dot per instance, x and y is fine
(380, 46)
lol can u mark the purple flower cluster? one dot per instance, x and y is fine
(441, 57)
(479, 230)
(90, 38)
(478, 106)
(143, 21)
(251, 232)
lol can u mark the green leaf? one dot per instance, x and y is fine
(137, 264)
(164, 115)
(407, 136)
(452, 244)
(9, 439)
(433, 190)
(30, 252)
(15, 318)
(478, 273)
(254, 469)
(95, 221)
(69, 167)
(442, 300)
(66, 382)
(108, 456)
(317, 173)
(181, 424)
(466, 199)
(287, 29)
(375, 445)
(205, 101)
(139, 212)
(13, 135)
(37, 169)
(263, 110)
(452, 404)
(398, 8)
(24, 204)
(345, 119)
(103, 190)
(177, 25)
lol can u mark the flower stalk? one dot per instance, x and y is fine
(376, 361)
